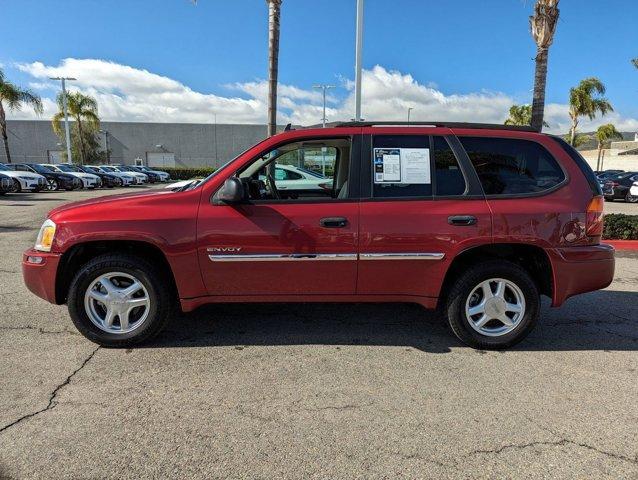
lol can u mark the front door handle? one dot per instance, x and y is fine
(462, 220)
(334, 222)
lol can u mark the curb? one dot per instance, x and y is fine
(623, 244)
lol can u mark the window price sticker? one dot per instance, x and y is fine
(402, 165)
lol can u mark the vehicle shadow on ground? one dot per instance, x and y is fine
(35, 197)
(604, 320)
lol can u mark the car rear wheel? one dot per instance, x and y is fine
(17, 188)
(631, 198)
(493, 305)
(119, 300)
(52, 184)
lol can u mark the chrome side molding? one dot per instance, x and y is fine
(283, 257)
(325, 257)
(402, 256)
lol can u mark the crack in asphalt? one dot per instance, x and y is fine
(53, 395)
(40, 330)
(557, 443)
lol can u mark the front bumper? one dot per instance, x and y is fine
(40, 277)
(580, 269)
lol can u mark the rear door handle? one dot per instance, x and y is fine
(334, 222)
(461, 220)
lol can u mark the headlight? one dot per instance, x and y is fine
(45, 236)
(24, 177)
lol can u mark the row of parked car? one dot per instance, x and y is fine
(19, 177)
(619, 185)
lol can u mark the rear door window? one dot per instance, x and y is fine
(507, 166)
(415, 166)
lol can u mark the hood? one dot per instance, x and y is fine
(110, 201)
(14, 174)
(82, 175)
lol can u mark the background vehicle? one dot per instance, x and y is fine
(618, 187)
(152, 176)
(138, 178)
(299, 180)
(108, 179)
(182, 183)
(477, 221)
(127, 180)
(88, 179)
(55, 180)
(128, 170)
(164, 176)
(6, 184)
(633, 190)
(606, 175)
(24, 180)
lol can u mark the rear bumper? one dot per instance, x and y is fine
(40, 277)
(580, 270)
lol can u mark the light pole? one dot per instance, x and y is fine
(357, 62)
(324, 88)
(66, 116)
(106, 146)
(409, 110)
(216, 160)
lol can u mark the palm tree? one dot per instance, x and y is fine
(274, 13)
(14, 97)
(635, 62)
(543, 25)
(521, 115)
(81, 108)
(586, 100)
(604, 135)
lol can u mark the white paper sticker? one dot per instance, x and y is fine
(402, 165)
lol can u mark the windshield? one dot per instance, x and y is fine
(90, 169)
(3, 168)
(39, 168)
(65, 168)
(108, 169)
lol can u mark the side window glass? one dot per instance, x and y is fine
(401, 166)
(507, 166)
(449, 176)
(319, 170)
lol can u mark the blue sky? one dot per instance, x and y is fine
(461, 51)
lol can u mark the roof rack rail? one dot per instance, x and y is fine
(486, 126)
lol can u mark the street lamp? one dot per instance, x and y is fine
(66, 115)
(324, 88)
(409, 110)
(106, 146)
(357, 62)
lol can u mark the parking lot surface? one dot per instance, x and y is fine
(313, 391)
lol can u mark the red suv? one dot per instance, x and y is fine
(475, 220)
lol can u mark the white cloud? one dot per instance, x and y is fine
(125, 93)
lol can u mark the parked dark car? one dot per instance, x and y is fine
(6, 184)
(55, 180)
(108, 180)
(617, 187)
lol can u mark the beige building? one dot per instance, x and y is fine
(621, 155)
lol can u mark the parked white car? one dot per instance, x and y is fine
(289, 177)
(132, 179)
(24, 180)
(127, 179)
(88, 179)
(633, 191)
(182, 183)
(164, 177)
(143, 177)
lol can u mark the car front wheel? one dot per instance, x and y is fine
(493, 305)
(119, 300)
(52, 184)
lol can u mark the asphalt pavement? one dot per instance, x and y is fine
(313, 391)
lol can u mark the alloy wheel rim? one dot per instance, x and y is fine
(495, 307)
(117, 302)
(52, 185)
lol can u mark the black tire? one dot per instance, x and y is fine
(464, 285)
(52, 184)
(162, 299)
(16, 186)
(629, 198)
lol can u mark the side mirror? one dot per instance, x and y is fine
(231, 192)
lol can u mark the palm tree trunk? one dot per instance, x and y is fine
(600, 149)
(3, 130)
(572, 130)
(274, 11)
(540, 82)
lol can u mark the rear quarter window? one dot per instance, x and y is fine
(508, 166)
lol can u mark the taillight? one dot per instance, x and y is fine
(594, 225)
